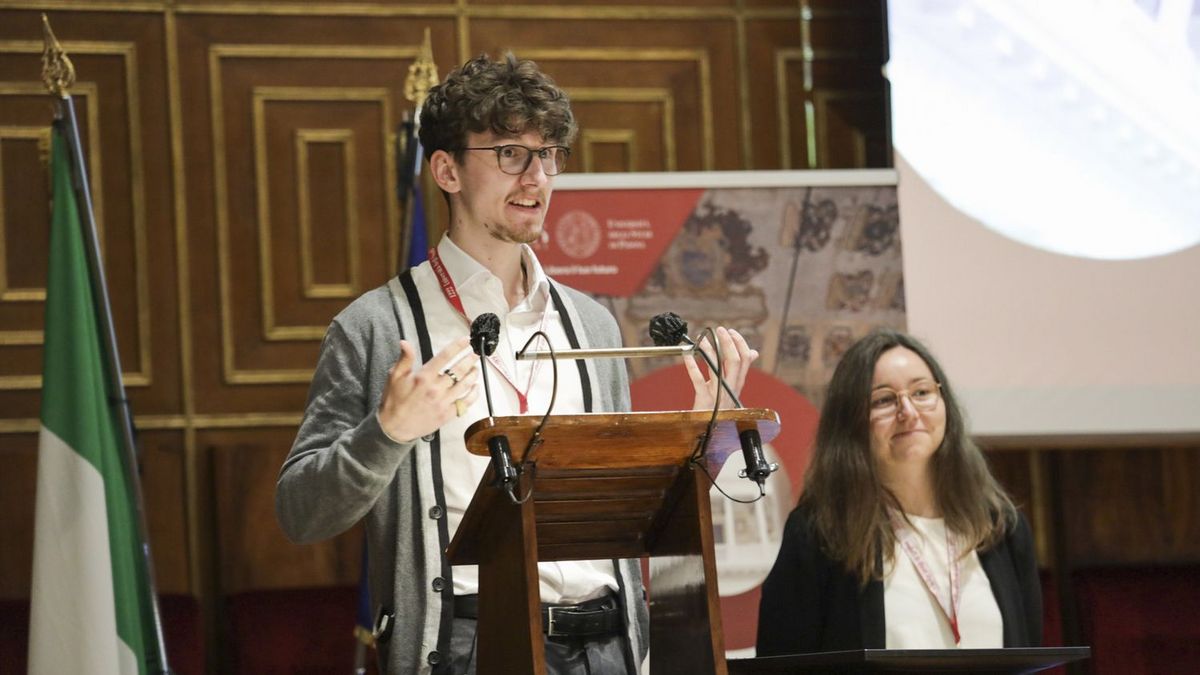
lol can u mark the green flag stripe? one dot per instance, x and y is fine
(75, 403)
(74, 397)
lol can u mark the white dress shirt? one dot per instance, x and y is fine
(481, 292)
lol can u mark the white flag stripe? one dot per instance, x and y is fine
(72, 570)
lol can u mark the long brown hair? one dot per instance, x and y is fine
(843, 492)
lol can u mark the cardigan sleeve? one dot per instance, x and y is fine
(1024, 560)
(342, 459)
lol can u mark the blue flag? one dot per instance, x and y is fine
(363, 630)
(418, 237)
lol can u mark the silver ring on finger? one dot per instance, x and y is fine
(453, 376)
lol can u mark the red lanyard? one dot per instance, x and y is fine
(455, 300)
(949, 606)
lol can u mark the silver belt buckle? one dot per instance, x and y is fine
(551, 627)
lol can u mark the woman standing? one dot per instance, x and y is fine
(902, 538)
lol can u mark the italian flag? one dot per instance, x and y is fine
(91, 609)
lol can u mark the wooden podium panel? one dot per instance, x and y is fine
(602, 486)
(600, 480)
(975, 661)
(626, 440)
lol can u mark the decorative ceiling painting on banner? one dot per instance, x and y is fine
(801, 267)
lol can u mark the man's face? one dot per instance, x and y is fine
(510, 208)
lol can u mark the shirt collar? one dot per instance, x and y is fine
(538, 289)
(464, 270)
(467, 272)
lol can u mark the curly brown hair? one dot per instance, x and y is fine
(510, 97)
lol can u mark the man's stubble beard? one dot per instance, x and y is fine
(507, 235)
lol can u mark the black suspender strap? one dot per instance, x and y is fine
(569, 329)
(435, 459)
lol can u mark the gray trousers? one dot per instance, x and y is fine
(564, 655)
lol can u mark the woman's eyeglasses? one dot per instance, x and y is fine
(924, 395)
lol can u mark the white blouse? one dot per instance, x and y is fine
(912, 617)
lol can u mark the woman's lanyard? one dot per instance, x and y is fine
(949, 606)
(455, 300)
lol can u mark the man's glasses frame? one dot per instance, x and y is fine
(510, 155)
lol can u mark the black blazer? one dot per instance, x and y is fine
(811, 603)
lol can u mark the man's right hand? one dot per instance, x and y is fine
(416, 404)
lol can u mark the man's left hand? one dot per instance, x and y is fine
(736, 357)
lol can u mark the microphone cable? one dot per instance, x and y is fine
(535, 440)
(702, 445)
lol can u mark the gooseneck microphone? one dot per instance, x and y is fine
(757, 468)
(485, 335)
(669, 329)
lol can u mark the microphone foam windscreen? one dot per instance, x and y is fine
(667, 329)
(485, 334)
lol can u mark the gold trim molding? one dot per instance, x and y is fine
(814, 103)
(821, 101)
(698, 56)
(216, 55)
(40, 136)
(261, 96)
(630, 12)
(662, 97)
(625, 137)
(783, 57)
(344, 138)
(161, 422)
(89, 91)
(21, 338)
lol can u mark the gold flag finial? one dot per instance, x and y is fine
(422, 75)
(57, 71)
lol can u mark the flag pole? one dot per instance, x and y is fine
(422, 76)
(59, 74)
(407, 170)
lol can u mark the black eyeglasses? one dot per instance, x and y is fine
(514, 158)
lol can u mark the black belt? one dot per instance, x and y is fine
(601, 616)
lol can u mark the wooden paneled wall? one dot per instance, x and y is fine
(243, 170)
(242, 165)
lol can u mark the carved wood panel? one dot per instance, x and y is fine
(125, 137)
(1132, 506)
(253, 552)
(243, 166)
(163, 478)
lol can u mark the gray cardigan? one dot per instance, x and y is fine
(342, 469)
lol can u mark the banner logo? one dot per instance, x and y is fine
(577, 234)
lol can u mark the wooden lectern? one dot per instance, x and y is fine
(603, 485)
(1010, 661)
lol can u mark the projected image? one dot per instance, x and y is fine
(1069, 125)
